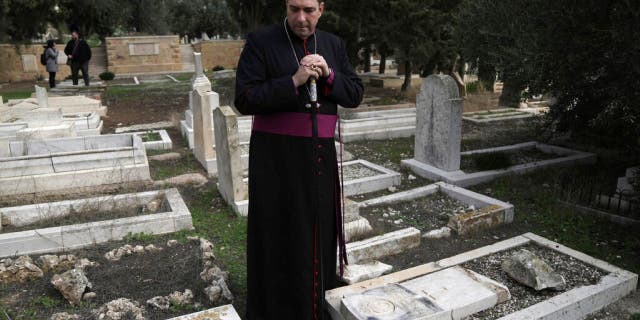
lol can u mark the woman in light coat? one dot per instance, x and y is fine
(51, 55)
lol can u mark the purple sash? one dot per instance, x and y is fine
(295, 124)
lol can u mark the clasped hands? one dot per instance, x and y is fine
(311, 66)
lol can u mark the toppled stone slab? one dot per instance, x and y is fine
(187, 179)
(165, 156)
(443, 232)
(357, 229)
(460, 291)
(226, 312)
(127, 250)
(476, 220)
(20, 270)
(72, 284)
(354, 273)
(120, 309)
(385, 245)
(390, 302)
(530, 270)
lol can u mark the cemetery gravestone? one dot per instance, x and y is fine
(228, 161)
(439, 123)
(204, 104)
(42, 97)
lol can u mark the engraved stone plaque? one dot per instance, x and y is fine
(29, 63)
(144, 49)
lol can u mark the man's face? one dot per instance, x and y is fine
(74, 35)
(303, 16)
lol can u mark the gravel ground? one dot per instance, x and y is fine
(358, 171)
(468, 165)
(427, 213)
(575, 272)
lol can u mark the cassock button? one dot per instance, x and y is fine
(319, 146)
(320, 159)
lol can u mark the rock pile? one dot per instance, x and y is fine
(57, 263)
(217, 290)
(127, 250)
(20, 270)
(120, 309)
(73, 284)
(175, 299)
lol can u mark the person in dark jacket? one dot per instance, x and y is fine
(51, 57)
(79, 53)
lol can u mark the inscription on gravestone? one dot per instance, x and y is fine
(144, 49)
(29, 63)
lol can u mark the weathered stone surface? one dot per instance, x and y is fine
(56, 263)
(213, 273)
(165, 156)
(485, 218)
(84, 262)
(530, 270)
(439, 123)
(203, 105)
(228, 154)
(226, 312)
(181, 298)
(159, 302)
(72, 284)
(385, 245)
(218, 292)
(443, 232)
(357, 229)
(389, 302)
(65, 316)
(172, 243)
(20, 270)
(88, 296)
(460, 291)
(186, 179)
(42, 97)
(120, 309)
(127, 250)
(360, 272)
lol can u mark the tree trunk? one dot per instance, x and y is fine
(367, 59)
(407, 76)
(383, 62)
(486, 75)
(511, 92)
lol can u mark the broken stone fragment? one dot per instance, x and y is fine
(152, 248)
(212, 274)
(21, 270)
(172, 243)
(218, 292)
(72, 284)
(153, 206)
(65, 316)
(354, 273)
(443, 232)
(529, 270)
(181, 298)
(84, 262)
(161, 303)
(120, 309)
(88, 296)
(138, 249)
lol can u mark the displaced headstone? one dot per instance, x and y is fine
(390, 302)
(528, 269)
(230, 170)
(72, 284)
(199, 80)
(354, 273)
(439, 123)
(42, 97)
(204, 104)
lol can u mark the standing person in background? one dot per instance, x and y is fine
(79, 54)
(51, 56)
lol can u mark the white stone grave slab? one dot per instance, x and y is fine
(42, 97)
(570, 305)
(387, 178)
(54, 165)
(460, 178)
(175, 218)
(85, 124)
(354, 273)
(378, 125)
(230, 168)
(226, 312)
(68, 104)
(186, 126)
(164, 143)
(497, 115)
(382, 246)
(500, 212)
(204, 104)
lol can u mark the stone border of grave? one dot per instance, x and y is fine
(226, 312)
(71, 237)
(164, 144)
(503, 214)
(460, 178)
(378, 125)
(85, 123)
(69, 163)
(387, 178)
(496, 116)
(573, 304)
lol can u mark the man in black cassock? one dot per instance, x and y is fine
(295, 239)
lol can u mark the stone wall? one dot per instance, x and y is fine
(224, 53)
(22, 63)
(145, 54)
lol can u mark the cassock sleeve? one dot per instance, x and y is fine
(347, 88)
(255, 92)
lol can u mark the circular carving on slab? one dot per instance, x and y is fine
(378, 306)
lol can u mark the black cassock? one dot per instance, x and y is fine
(288, 227)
